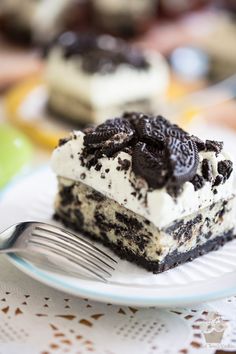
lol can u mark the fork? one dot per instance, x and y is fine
(49, 240)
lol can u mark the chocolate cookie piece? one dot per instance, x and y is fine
(199, 143)
(208, 145)
(213, 145)
(132, 116)
(63, 141)
(198, 182)
(157, 130)
(174, 190)
(225, 168)
(151, 164)
(110, 137)
(72, 44)
(124, 164)
(182, 159)
(101, 54)
(218, 180)
(207, 171)
(134, 119)
(151, 129)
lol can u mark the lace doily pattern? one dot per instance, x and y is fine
(37, 319)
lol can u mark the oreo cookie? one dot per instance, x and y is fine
(110, 137)
(151, 129)
(182, 159)
(157, 130)
(162, 153)
(133, 117)
(151, 164)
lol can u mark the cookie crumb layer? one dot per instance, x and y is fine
(133, 237)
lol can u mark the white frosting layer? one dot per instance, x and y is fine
(156, 205)
(103, 90)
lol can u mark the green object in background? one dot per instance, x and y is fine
(15, 153)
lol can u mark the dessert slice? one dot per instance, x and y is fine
(124, 18)
(148, 190)
(39, 21)
(91, 78)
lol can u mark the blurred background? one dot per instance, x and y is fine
(197, 39)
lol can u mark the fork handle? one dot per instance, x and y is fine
(7, 240)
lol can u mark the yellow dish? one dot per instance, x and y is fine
(26, 107)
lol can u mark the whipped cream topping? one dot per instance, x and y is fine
(121, 184)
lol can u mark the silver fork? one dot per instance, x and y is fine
(49, 240)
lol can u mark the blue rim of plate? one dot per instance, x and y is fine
(48, 279)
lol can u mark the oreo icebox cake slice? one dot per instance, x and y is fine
(154, 194)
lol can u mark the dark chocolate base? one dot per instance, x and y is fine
(71, 123)
(82, 122)
(172, 260)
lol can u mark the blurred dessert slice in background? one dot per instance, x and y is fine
(124, 17)
(91, 78)
(220, 45)
(30, 21)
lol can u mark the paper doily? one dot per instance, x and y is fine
(37, 319)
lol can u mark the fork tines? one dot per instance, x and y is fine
(73, 248)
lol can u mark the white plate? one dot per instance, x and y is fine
(209, 277)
